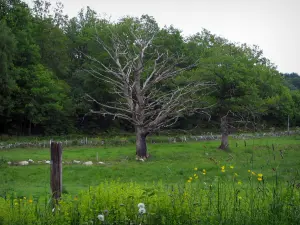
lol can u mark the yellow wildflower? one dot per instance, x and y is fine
(249, 171)
(223, 171)
(195, 168)
(189, 181)
(203, 171)
(253, 173)
(259, 175)
(191, 178)
(30, 201)
(259, 178)
(222, 167)
(195, 175)
(231, 167)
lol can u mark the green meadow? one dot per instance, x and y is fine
(239, 186)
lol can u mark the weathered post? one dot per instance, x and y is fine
(56, 170)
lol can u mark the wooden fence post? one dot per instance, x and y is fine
(56, 169)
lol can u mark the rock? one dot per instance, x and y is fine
(30, 161)
(47, 161)
(23, 163)
(88, 163)
(76, 162)
(9, 163)
(101, 163)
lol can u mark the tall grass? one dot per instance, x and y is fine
(223, 200)
(258, 182)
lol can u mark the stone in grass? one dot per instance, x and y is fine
(47, 161)
(76, 161)
(88, 163)
(30, 161)
(9, 163)
(23, 163)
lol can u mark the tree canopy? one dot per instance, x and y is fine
(48, 64)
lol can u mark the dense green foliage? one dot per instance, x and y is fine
(42, 81)
(216, 195)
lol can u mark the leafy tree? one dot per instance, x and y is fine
(292, 80)
(7, 48)
(234, 70)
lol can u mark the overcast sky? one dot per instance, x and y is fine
(274, 25)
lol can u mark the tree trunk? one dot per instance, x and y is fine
(141, 146)
(29, 128)
(224, 129)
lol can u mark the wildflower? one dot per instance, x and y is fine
(100, 217)
(249, 171)
(231, 167)
(235, 174)
(239, 182)
(141, 205)
(222, 169)
(30, 201)
(189, 181)
(253, 173)
(142, 210)
(203, 171)
(195, 168)
(191, 178)
(259, 178)
(259, 175)
(53, 210)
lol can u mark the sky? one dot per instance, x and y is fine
(273, 25)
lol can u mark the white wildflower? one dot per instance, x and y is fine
(101, 217)
(142, 210)
(54, 209)
(141, 205)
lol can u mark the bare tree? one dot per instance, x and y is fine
(139, 72)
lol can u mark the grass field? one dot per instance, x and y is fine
(256, 182)
(170, 163)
